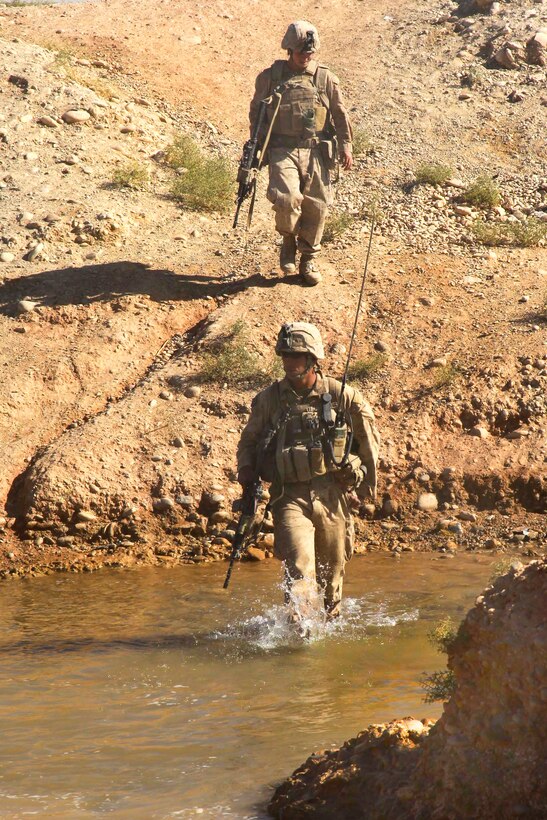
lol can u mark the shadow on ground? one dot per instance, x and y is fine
(103, 283)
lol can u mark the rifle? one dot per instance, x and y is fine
(249, 166)
(253, 156)
(340, 442)
(248, 504)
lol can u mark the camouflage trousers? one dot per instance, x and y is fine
(300, 192)
(314, 538)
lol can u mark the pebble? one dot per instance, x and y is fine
(467, 516)
(166, 395)
(74, 116)
(427, 502)
(26, 306)
(440, 361)
(178, 442)
(163, 504)
(256, 554)
(192, 392)
(86, 515)
(49, 122)
(34, 252)
(6, 256)
(479, 432)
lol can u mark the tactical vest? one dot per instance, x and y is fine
(304, 108)
(301, 447)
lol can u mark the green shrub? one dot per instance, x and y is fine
(525, 234)
(336, 225)
(528, 233)
(442, 634)
(483, 193)
(362, 144)
(431, 173)
(230, 361)
(364, 369)
(440, 685)
(133, 175)
(204, 183)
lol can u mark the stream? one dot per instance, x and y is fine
(153, 693)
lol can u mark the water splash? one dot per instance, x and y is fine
(275, 628)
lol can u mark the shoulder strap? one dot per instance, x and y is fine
(276, 73)
(320, 82)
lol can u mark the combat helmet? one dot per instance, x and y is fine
(301, 36)
(300, 337)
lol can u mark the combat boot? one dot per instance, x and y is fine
(310, 271)
(287, 255)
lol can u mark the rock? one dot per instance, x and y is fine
(210, 502)
(166, 395)
(256, 554)
(510, 55)
(492, 544)
(440, 361)
(192, 392)
(34, 252)
(86, 515)
(163, 504)
(536, 48)
(448, 474)
(76, 116)
(178, 442)
(7, 256)
(220, 517)
(467, 516)
(65, 541)
(427, 502)
(479, 432)
(185, 501)
(266, 542)
(381, 347)
(26, 306)
(463, 210)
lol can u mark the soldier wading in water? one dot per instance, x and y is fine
(310, 130)
(313, 527)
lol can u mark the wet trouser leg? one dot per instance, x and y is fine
(314, 538)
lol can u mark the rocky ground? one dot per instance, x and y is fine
(484, 758)
(114, 449)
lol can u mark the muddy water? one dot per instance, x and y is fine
(154, 694)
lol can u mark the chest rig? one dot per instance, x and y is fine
(303, 110)
(304, 443)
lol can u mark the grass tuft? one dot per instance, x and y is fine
(204, 183)
(483, 193)
(231, 361)
(446, 376)
(432, 173)
(364, 369)
(132, 175)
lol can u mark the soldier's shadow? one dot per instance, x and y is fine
(107, 282)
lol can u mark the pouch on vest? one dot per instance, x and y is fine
(301, 461)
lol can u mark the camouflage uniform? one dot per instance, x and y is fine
(313, 527)
(299, 184)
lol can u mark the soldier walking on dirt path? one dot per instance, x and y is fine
(310, 495)
(310, 132)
